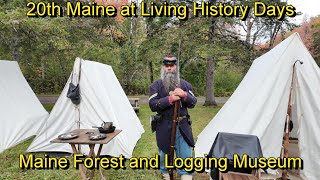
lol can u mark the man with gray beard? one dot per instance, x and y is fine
(162, 95)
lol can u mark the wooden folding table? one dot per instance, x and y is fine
(83, 138)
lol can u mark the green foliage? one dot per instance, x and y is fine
(227, 80)
(194, 73)
(46, 48)
(227, 77)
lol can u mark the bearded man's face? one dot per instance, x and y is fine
(170, 77)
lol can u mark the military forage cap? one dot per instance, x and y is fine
(169, 60)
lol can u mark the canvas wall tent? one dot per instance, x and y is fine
(102, 99)
(259, 105)
(21, 113)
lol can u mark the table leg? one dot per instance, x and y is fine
(98, 155)
(99, 150)
(82, 171)
(91, 152)
(91, 155)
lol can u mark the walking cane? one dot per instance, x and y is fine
(288, 119)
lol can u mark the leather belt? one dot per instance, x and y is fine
(179, 118)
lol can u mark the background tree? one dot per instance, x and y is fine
(214, 53)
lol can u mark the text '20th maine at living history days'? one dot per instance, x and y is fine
(182, 12)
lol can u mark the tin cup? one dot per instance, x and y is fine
(106, 125)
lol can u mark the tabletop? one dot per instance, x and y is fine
(83, 137)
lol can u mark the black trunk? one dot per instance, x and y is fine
(151, 72)
(210, 99)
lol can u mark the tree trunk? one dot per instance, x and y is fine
(43, 70)
(249, 29)
(151, 71)
(210, 99)
(14, 45)
(65, 76)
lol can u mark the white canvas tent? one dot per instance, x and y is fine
(102, 99)
(259, 105)
(21, 113)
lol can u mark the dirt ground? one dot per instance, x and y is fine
(293, 174)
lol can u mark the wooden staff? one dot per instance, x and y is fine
(287, 124)
(173, 134)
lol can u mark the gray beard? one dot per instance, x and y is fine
(170, 80)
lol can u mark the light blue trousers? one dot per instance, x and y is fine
(182, 149)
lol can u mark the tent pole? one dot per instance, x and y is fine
(77, 108)
(288, 120)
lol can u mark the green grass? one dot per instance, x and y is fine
(48, 107)
(146, 147)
